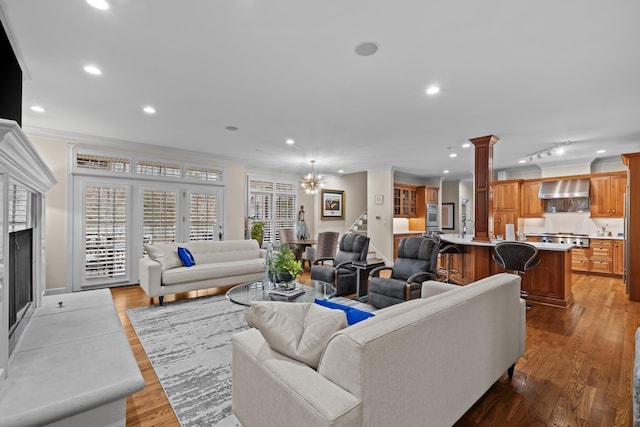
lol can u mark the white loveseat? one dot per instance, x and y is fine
(422, 362)
(216, 264)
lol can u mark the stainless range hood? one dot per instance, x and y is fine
(564, 189)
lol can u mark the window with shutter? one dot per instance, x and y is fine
(105, 231)
(102, 163)
(159, 213)
(155, 168)
(273, 202)
(199, 173)
(203, 210)
(19, 212)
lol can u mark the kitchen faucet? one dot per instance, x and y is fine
(464, 227)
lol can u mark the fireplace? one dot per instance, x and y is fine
(24, 180)
(20, 283)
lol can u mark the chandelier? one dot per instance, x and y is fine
(312, 183)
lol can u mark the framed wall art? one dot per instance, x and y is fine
(448, 213)
(332, 204)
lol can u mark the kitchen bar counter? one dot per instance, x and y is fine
(541, 246)
(548, 283)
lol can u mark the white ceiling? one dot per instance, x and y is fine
(535, 74)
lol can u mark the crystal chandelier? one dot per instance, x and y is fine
(312, 183)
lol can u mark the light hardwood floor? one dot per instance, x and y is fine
(577, 368)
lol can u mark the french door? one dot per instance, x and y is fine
(118, 218)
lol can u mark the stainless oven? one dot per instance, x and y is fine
(432, 217)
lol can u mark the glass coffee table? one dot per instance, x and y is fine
(249, 292)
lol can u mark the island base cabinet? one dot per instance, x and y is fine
(547, 283)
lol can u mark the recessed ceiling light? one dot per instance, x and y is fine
(149, 109)
(341, 171)
(290, 141)
(92, 69)
(601, 151)
(38, 109)
(432, 90)
(453, 155)
(445, 171)
(231, 128)
(366, 48)
(522, 161)
(99, 4)
(466, 145)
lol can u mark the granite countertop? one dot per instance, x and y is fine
(561, 247)
(408, 232)
(590, 236)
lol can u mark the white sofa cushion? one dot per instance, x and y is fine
(297, 330)
(226, 250)
(216, 270)
(165, 255)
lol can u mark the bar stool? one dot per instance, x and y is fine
(517, 257)
(448, 251)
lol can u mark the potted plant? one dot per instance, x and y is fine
(257, 231)
(286, 266)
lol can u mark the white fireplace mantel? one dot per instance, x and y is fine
(20, 163)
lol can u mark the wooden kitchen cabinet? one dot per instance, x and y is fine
(580, 259)
(601, 260)
(404, 201)
(506, 196)
(500, 219)
(607, 196)
(431, 195)
(618, 257)
(531, 206)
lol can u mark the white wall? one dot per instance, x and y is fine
(355, 202)
(451, 194)
(380, 224)
(54, 154)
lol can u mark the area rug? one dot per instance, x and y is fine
(189, 345)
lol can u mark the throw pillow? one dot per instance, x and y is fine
(186, 257)
(298, 330)
(354, 315)
(165, 255)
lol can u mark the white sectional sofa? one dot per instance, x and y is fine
(220, 263)
(421, 362)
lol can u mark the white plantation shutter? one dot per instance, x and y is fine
(199, 173)
(203, 213)
(102, 163)
(19, 208)
(155, 168)
(159, 213)
(285, 211)
(105, 231)
(274, 203)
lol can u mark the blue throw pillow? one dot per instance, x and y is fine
(354, 315)
(186, 257)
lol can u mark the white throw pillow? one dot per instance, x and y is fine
(166, 255)
(297, 330)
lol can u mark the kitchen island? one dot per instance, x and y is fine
(548, 283)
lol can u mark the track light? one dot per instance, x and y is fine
(557, 149)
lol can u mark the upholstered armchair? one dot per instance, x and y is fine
(326, 247)
(416, 263)
(352, 247)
